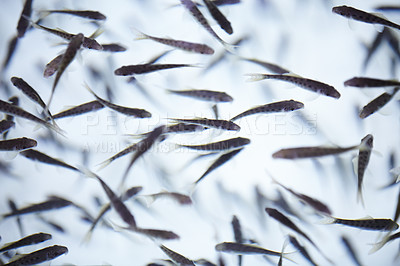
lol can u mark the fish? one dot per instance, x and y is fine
(350, 250)
(14, 100)
(397, 213)
(135, 112)
(180, 198)
(310, 152)
(194, 10)
(392, 40)
(215, 123)
(205, 95)
(176, 257)
(23, 22)
(95, 15)
(373, 48)
(50, 204)
(13, 207)
(113, 47)
(80, 109)
(387, 8)
(225, 2)
(237, 232)
(309, 84)
(357, 14)
(125, 151)
(364, 82)
(52, 66)
(183, 128)
(377, 103)
(17, 144)
(180, 44)
(314, 203)
(157, 234)
(363, 158)
(220, 145)
(5, 125)
(218, 16)
(385, 240)
(269, 66)
(73, 47)
(302, 249)
(244, 249)
(39, 256)
(146, 68)
(282, 106)
(11, 109)
(36, 155)
(26, 241)
(12, 46)
(219, 162)
(53, 225)
(365, 223)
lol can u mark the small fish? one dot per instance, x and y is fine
(113, 47)
(180, 44)
(373, 47)
(180, 198)
(6, 125)
(269, 66)
(146, 68)
(244, 249)
(388, 8)
(26, 241)
(302, 249)
(225, 2)
(350, 250)
(356, 14)
(363, 158)
(392, 40)
(12, 45)
(11, 109)
(39, 256)
(14, 101)
(364, 82)
(205, 95)
(28, 90)
(17, 144)
(176, 257)
(80, 109)
(309, 84)
(310, 152)
(397, 213)
(218, 16)
(377, 103)
(237, 232)
(73, 47)
(50, 204)
(53, 225)
(125, 151)
(44, 158)
(219, 162)
(80, 13)
(215, 123)
(13, 207)
(52, 66)
(183, 128)
(23, 22)
(282, 106)
(366, 223)
(157, 234)
(220, 145)
(135, 112)
(385, 240)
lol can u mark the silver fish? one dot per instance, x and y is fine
(356, 14)
(146, 68)
(373, 48)
(282, 106)
(13, 207)
(17, 144)
(237, 231)
(218, 16)
(205, 95)
(39, 256)
(125, 151)
(309, 84)
(363, 158)
(44, 158)
(364, 82)
(215, 123)
(377, 103)
(96, 15)
(225, 2)
(26, 241)
(366, 224)
(176, 257)
(220, 145)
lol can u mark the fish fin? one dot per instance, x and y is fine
(327, 220)
(103, 164)
(139, 35)
(97, 33)
(255, 77)
(43, 13)
(290, 256)
(377, 246)
(149, 199)
(367, 217)
(10, 155)
(396, 172)
(354, 161)
(379, 154)
(85, 171)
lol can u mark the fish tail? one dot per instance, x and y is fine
(255, 77)
(377, 246)
(85, 171)
(33, 23)
(104, 164)
(360, 196)
(289, 256)
(140, 35)
(327, 220)
(88, 236)
(43, 14)
(149, 199)
(229, 47)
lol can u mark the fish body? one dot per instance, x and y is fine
(225, 2)
(373, 47)
(39, 256)
(350, 250)
(282, 106)
(51, 204)
(218, 16)
(269, 66)
(205, 95)
(220, 145)
(237, 232)
(309, 152)
(44, 158)
(6, 125)
(28, 90)
(244, 249)
(125, 151)
(367, 224)
(302, 249)
(12, 45)
(176, 257)
(80, 109)
(26, 241)
(377, 103)
(13, 208)
(113, 47)
(215, 123)
(363, 158)
(52, 66)
(14, 101)
(364, 82)
(309, 84)
(157, 234)
(17, 144)
(23, 22)
(180, 198)
(145, 68)
(356, 14)
(95, 15)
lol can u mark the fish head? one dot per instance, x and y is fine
(293, 105)
(226, 98)
(92, 44)
(57, 251)
(340, 10)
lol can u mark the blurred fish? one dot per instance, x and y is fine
(301, 249)
(44, 158)
(219, 162)
(365, 223)
(350, 250)
(282, 106)
(6, 125)
(364, 82)
(17, 144)
(220, 145)
(377, 103)
(80, 109)
(237, 232)
(26, 241)
(309, 84)
(397, 213)
(310, 152)
(39, 256)
(269, 66)
(157, 234)
(225, 2)
(363, 159)
(183, 128)
(387, 8)
(135, 112)
(215, 123)
(385, 240)
(13, 208)
(356, 14)
(205, 95)
(245, 249)
(113, 47)
(146, 68)
(80, 13)
(125, 151)
(180, 198)
(23, 22)
(12, 45)
(218, 16)
(52, 66)
(393, 41)
(176, 257)
(53, 225)
(180, 44)
(373, 48)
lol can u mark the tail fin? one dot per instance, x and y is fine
(255, 77)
